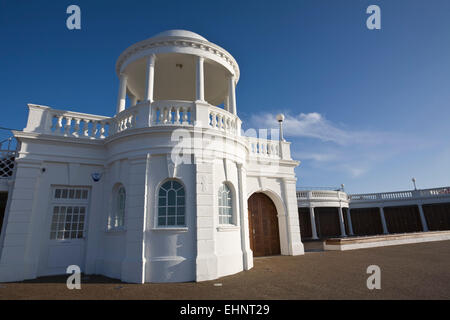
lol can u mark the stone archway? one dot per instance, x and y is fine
(263, 226)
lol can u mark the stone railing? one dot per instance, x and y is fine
(263, 147)
(401, 195)
(67, 123)
(222, 120)
(322, 195)
(124, 120)
(42, 119)
(172, 112)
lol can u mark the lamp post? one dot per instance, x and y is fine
(414, 182)
(280, 119)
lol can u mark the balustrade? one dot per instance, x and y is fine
(78, 125)
(172, 113)
(263, 147)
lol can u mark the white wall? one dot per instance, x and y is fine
(170, 253)
(141, 252)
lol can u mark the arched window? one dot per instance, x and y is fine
(225, 205)
(171, 204)
(117, 219)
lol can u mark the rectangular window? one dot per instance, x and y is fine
(69, 208)
(67, 222)
(70, 193)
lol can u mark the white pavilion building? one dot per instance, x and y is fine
(166, 190)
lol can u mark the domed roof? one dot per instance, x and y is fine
(180, 33)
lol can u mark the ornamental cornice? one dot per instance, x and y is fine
(178, 42)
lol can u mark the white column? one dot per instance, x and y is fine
(226, 103)
(232, 95)
(133, 100)
(341, 222)
(121, 100)
(383, 221)
(422, 218)
(150, 85)
(200, 80)
(349, 220)
(313, 223)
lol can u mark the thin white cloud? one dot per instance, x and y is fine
(316, 126)
(320, 157)
(330, 147)
(311, 125)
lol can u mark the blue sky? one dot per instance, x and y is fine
(367, 108)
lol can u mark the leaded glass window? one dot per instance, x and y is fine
(225, 205)
(117, 217)
(171, 204)
(69, 209)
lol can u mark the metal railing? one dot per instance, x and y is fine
(8, 153)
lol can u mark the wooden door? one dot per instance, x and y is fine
(263, 224)
(437, 216)
(403, 219)
(327, 222)
(366, 221)
(304, 219)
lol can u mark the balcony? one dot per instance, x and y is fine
(45, 120)
(164, 113)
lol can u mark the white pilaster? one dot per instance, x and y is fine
(121, 100)
(247, 253)
(341, 222)
(150, 84)
(313, 223)
(206, 261)
(20, 252)
(383, 221)
(349, 220)
(294, 242)
(200, 79)
(133, 265)
(422, 218)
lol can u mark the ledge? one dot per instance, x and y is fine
(115, 230)
(176, 229)
(353, 243)
(226, 228)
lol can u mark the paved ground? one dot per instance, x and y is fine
(413, 271)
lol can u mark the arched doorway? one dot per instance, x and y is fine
(263, 224)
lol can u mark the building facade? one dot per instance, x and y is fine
(333, 213)
(166, 190)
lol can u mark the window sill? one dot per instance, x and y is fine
(226, 228)
(178, 229)
(116, 230)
